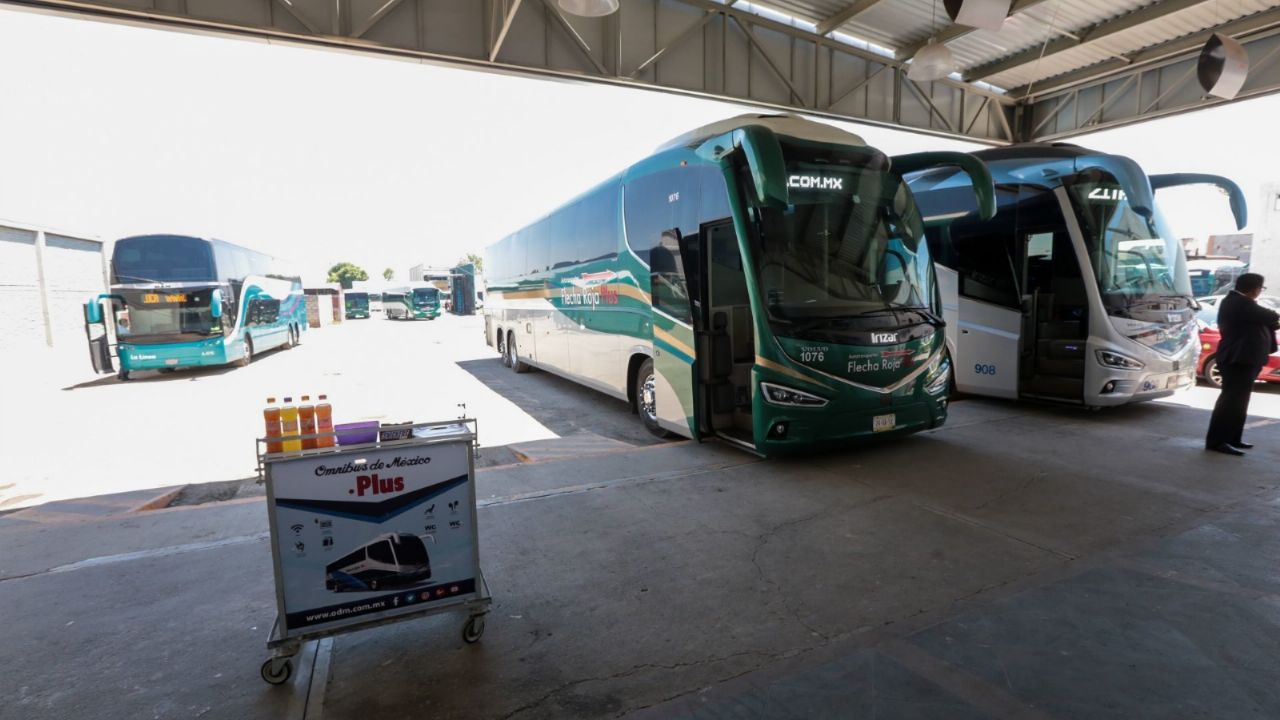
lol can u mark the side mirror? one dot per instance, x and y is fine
(1238, 206)
(93, 312)
(1137, 187)
(984, 187)
(215, 303)
(763, 154)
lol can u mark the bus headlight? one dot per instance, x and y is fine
(1116, 360)
(938, 376)
(779, 395)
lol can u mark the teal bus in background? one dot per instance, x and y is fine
(179, 301)
(357, 305)
(764, 280)
(415, 302)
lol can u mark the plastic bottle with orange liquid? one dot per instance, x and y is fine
(271, 415)
(307, 415)
(289, 424)
(324, 422)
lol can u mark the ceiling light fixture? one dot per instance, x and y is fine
(932, 62)
(589, 8)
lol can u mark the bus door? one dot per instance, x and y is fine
(988, 312)
(101, 349)
(673, 261)
(727, 346)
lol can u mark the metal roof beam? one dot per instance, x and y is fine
(955, 32)
(1236, 28)
(851, 11)
(822, 41)
(1081, 38)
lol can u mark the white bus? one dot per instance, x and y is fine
(1076, 290)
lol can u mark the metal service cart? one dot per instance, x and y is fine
(369, 534)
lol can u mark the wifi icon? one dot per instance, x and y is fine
(296, 528)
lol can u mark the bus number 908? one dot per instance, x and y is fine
(984, 369)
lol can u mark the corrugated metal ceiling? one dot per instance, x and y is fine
(901, 24)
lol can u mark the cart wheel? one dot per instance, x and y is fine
(274, 675)
(474, 628)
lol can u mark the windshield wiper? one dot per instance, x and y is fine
(934, 320)
(145, 280)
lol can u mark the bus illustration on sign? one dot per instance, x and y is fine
(390, 561)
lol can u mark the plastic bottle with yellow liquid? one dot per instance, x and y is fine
(307, 415)
(289, 424)
(271, 415)
(324, 422)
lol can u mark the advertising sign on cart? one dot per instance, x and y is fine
(364, 536)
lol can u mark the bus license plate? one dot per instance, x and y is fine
(171, 361)
(881, 423)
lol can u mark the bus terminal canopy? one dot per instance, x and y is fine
(1054, 68)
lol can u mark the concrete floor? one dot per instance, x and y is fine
(1021, 562)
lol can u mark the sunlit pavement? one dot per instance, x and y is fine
(69, 435)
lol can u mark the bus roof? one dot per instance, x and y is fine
(789, 125)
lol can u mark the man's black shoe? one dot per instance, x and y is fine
(1242, 445)
(1225, 449)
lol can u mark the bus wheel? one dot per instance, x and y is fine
(248, 352)
(123, 375)
(293, 338)
(502, 348)
(513, 356)
(647, 398)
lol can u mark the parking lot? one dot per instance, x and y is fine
(198, 426)
(997, 567)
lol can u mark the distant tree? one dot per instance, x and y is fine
(346, 273)
(388, 274)
(474, 259)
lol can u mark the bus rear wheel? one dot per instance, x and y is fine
(502, 348)
(513, 356)
(646, 394)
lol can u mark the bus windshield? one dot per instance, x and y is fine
(425, 296)
(1136, 260)
(358, 301)
(846, 253)
(162, 259)
(165, 317)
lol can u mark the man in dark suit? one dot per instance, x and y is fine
(1248, 337)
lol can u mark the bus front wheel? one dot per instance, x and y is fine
(248, 352)
(646, 394)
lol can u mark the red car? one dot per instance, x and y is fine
(1209, 337)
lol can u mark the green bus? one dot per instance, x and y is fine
(357, 305)
(763, 280)
(415, 302)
